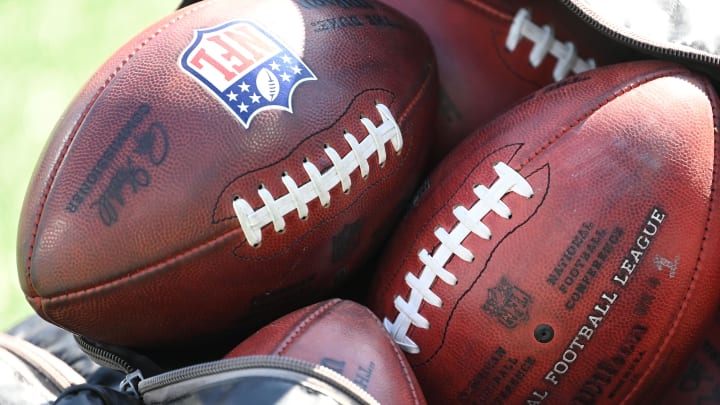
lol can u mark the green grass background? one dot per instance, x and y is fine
(48, 49)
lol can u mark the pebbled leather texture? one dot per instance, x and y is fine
(595, 288)
(479, 76)
(129, 233)
(699, 381)
(343, 336)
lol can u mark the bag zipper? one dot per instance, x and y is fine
(121, 359)
(136, 382)
(103, 356)
(218, 367)
(706, 61)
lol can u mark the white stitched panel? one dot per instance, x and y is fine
(316, 180)
(478, 228)
(320, 184)
(544, 44)
(339, 167)
(379, 144)
(436, 267)
(294, 193)
(361, 161)
(453, 242)
(408, 308)
(243, 210)
(469, 221)
(277, 219)
(425, 292)
(492, 204)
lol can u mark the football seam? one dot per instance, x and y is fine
(626, 89)
(683, 306)
(386, 287)
(489, 257)
(76, 128)
(293, 243)
(400, 356)
(645, 78)
(544, 43)
(303, 325)
(319, 185)
(424, 85)
(469, 221)
(217, 219)
(488, 10)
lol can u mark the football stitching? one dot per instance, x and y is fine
(544, 168)
(290, 337)
(66, 296)
(216, 216)
(319, 186)
(469, 221)
(288, 246)
(683, 306)
(544, 43)
(396, 330)
(76, 127)
(386, 287)
(400, 357)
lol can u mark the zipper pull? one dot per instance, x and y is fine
(130, 383)
(123, 359)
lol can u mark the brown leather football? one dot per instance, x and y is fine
(492, 53)
(566, 252)
(346, 337)
(229, 164)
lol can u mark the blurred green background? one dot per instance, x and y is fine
(48, 49)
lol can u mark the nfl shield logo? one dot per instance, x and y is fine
(244, 67)
(508, 304)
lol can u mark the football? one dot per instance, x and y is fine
(566, 252)
(343, 336)
(231, 163)
(492, 53)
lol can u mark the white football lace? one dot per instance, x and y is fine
(297, 197)
(470, 221)
(545, 42)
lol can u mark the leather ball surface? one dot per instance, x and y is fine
(231, 162)
(492, 53)
(699, 382)
(346, 337)
(566, 252)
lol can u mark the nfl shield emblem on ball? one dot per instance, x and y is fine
(245, 68)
